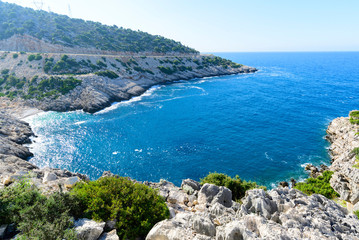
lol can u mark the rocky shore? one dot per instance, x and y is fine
(129, 76)
(207, 211)
(344, 139)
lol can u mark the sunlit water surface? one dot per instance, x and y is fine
(263, 126)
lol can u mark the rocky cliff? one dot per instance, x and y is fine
(207, 211)
(345, 180)
(62, 82)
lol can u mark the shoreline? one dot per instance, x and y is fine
(204, 210)
(135, 98)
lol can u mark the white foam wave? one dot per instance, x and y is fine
(268, 157)
(79, 122)
(304, 164)
(116, 105)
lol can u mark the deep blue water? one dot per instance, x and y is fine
(261, 126)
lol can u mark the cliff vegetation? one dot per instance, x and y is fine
(63, 30)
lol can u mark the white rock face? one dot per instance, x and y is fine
(345, 180)
(48, 177)
(87, 229)
(210, 193)
(281, 213)
(109, 236)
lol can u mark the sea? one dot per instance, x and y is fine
(264, 127)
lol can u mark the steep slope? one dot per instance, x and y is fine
(62, 30)
(344, 145)
(92, 82)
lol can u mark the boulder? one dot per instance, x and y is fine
(210, 194)
(190, 186)
(109, 236)
(87, 229)
(178, 228)
(70, 182)
(48, 177)
(204, 225)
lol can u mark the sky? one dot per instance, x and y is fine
(227, 25)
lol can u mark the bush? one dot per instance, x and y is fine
(107, 73)
(356, 213)
(35, 215)
(101, 64)
(31, 57)
(136, 207)
(166, 70)
(5, 71)
(354, 117)
(236, 185)
(15, 55)
(319, 185)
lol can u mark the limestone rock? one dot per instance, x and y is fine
(203, 225)
(109, 236)
(87, 229)
(190, 186)
(211, 194)
(70, 182)
(343, 138)
(49, 176)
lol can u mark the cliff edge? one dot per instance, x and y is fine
(344, 139)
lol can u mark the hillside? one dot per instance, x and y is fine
(69, 32)
(63, 82)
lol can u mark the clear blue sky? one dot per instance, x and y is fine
(229, 25)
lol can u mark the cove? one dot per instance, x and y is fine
(263, 126)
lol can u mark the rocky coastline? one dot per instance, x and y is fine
(207, 211)
(342, 135)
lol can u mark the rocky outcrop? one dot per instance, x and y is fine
(87, 229)
(136, 74)
(281, 213)
(345, 180)
(13, 159)
(14, 133)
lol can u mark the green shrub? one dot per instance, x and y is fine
(166, 70)
(35, 215)
(236, 185)
(38, 57)
(357, 213)
(356, 152)
(354, 117)
(31, 57)
(101, 64)
(319, 185)
(107, 73)
(136, 207)
(15, 55)
(5, 71)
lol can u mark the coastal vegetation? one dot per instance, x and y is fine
(36, 215)
(135, 208)
(53, 86)
(356, 152)
(107, 73)
(319, 185)
(63, 30)
(354, 117)
(67, 65)
(236, 185)
(33, 57)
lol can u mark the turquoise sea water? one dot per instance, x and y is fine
(262, 126)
